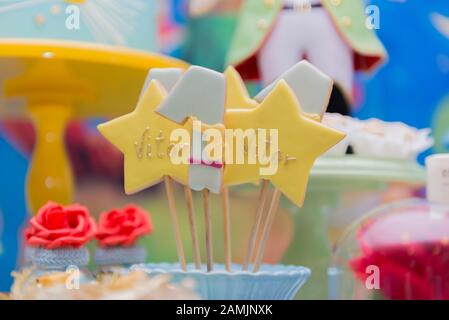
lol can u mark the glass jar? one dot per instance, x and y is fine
(399, 251)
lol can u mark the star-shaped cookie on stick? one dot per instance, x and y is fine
(200, 94)
(293, 146)
(300, 141)
(312, 89)
(143, 136)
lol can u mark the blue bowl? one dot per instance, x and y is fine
(272, 282)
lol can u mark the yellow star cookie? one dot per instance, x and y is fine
(300, 141)
(143, 136)
(237, 96)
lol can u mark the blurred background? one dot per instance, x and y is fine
(412, 86)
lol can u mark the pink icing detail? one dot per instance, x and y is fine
(213, 164)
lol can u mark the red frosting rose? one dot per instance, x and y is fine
(56, 226)
(122, 227)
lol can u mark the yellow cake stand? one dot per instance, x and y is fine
(55, 81)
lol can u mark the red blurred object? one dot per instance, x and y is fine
(123, 227)
(56, 226)
(90, 154)
(410, 246)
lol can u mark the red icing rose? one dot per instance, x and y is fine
(122, 227)
(56, 226)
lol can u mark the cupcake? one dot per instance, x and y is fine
(118, 233)
(57, 236)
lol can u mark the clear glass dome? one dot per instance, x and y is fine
(399, 251)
